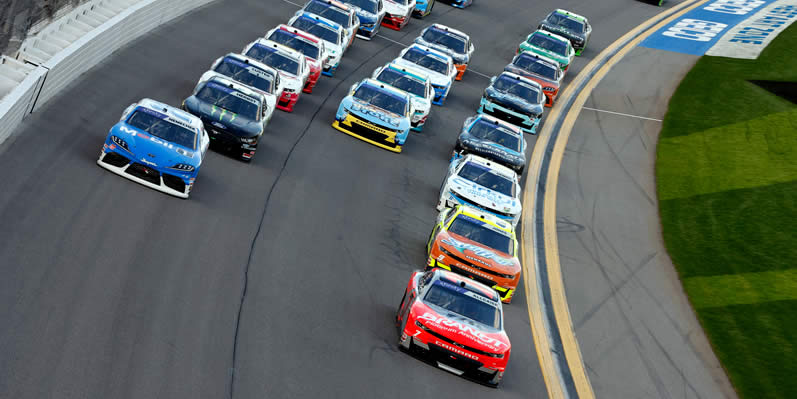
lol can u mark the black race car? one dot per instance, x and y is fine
(572, 26)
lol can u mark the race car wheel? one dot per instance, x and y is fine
(519, 170)
(398, 311)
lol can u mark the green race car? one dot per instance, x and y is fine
(549, 45)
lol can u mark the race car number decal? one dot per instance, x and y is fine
(452, 325)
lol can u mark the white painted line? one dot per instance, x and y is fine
(621, 114)
(290, 2)
(388, 39)
(478, 73)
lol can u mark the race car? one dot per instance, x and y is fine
(414, 82)
(397, 13)
(423, 8)
(338, 12)
(492, 139)
(309, 45)
(291, 65)
(450, 41)
(549, 45)
(249, 72)
(477, 245)
(371, 14)
(330, 32)
(235, 115)
(156, 145)
(439, 66)
(375, 113)
(542, 70)
(514, 99)
(571, 26)
(458, 3)
(455, 324)
(482, 183)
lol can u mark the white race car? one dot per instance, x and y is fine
(416, 83)
(251, 73)
(397, 13)
(439, 66)
(481, 183)
(291, 65)
(333, 35)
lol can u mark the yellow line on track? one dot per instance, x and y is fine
(550, 370)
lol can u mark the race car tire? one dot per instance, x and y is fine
(520, 170)
(398, 311)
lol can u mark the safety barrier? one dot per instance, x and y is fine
(70, 46)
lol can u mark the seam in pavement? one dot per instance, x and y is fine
(558, 349)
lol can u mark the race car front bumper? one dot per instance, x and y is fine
(395, 22)
(461, 68)
(528, 124)
(367, 32)
(505, 291)
(440, 94)
(329, 70)
(311, 81)
(450, 200)
(120, 163)
(354, 126)
(418, 121)
(287, 101)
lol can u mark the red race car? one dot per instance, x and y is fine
(309, 45)
(456, 324)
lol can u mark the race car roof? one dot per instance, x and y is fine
(468, 284)
(276, 47)
(492, 166)
(233, 85)
(527, 54)
(498, 122)
(570, 15)
(176, 113)
(447, 29)
(522, 79)
(385, 87)
(428, 50)
(334, 3)
(304, 35)
(549, 34)
(321, 20)
(408, 70)
(247, 60)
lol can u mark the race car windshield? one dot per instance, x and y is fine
(548, 43)
(367, 5)
(378, 98)
(316, 28)
(331, 13)
(487, 178)
(426, 60)
(445, 39)
(475, 230)
(246, 74)
(532, 65)
(402, 81)
(308, 49)
(566, 22)
(508, 85)
(227, 100)
(274, 59)
(488, 131)
(454, 300)
(160, 127)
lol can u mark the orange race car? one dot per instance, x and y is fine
(478, 245)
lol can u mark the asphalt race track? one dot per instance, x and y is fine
(112, 290)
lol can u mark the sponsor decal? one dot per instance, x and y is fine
(148, 162)
(473, 190)
(748, 39)
(153, 139)
(453, 326)
(477, 250)
(455, 350)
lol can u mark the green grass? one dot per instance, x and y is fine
(726, 174)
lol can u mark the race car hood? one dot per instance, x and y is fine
(437, 78)
(459, 58)
(461, 329)
(545, 82)
(152, 150)
(564, 32)
(483, 196)
(213, 116)
(489, 149)
(513, 102)
(366, 17)
(472, 250)
(375, 115)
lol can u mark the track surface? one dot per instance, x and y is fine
(110, 289)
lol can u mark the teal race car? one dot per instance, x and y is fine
(549, 45)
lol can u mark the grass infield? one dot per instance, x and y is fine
(726, 174)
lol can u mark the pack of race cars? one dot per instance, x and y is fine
(451, 314)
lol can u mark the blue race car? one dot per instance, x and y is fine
(371, 13)
(375, 113)
(156, 145)
(494, 139)
(458, 3)
(338, 12)
(423, 8)
(437, 65)
(514, 99)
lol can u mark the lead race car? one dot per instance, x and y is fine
(493, 139)
(156, 145)
(478, 245)
(414, 82)
(569, 25)
(375, 113)
(397, 13)
(437, 65)
(456, 324)
(450, 41)
(542, 70)
(481, 183)
(514, 99)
